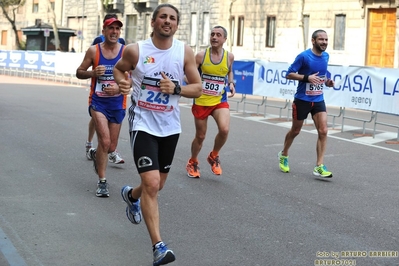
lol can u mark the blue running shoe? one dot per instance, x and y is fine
(133, 210)
(102, 189)
(163, 255)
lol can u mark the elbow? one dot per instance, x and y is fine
(289, 76)
(199, 91)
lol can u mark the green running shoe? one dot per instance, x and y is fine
(284, 167)
(322, 171)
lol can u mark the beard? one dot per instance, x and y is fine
(320, 48)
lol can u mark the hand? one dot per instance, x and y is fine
(125, 84)
(112, 89)
(330, 83)
(166, 85)
(232, 88)
(99, 71)
(315, 79)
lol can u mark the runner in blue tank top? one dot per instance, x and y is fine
(114, 156)
(310, 69)
(107, 106)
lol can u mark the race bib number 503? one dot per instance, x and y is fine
(212, 85)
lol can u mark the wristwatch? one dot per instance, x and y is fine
(177, 90)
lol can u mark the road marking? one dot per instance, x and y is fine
(9, 251)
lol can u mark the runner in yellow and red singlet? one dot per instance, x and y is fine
(215, 66)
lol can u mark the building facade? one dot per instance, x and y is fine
(361, 32)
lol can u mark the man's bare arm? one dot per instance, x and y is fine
(127, 62)
(193, 89)
(88, 60)
(230, 76)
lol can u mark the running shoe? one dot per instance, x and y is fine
(322, 171)
(215, 164)
(192, 169)
(88, 147)
(115, 157)
(133, 210)
(284, 167)
(92, 152)
(102, 189)
(163, 255)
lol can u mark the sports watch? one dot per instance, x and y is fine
(177, 90)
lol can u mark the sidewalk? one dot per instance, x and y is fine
(53, 80)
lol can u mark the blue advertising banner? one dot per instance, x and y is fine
(16, 59)
(32, 60)
(48, 61)
(4, 58)
(244, 76)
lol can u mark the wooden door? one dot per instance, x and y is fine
(381, 37)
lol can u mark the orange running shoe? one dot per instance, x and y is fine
(215, 164)
(192, 169)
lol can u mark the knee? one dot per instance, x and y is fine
(161, 184)
(152, 187)
(322, 131)
(200, 137)
(105, 143)
(224, 132)
(295, 132)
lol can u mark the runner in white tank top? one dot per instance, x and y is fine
(155, 112)
(157, 67)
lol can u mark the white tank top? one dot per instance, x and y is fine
(152, 111)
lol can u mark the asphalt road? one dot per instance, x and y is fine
(251, 215)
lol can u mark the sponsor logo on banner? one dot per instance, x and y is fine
(16, 59)
(31, 60)
(366, 88)
(48, 61)
(243, 76)
(3, 58)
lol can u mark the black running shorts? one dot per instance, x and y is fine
(151, 152)
(301, 109)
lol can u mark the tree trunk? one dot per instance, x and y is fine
(14, 28)
(55, 28)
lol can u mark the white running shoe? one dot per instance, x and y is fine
(115, 157)
(88, 147)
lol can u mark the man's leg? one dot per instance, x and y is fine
(196, 145)
(320, 121)
(151, 183)
(104, 141)
(92, 130)
(114, 130)
(291, 134)
(113, 155)
(200, 133)
(289, 139)
(222, 118)
(89, 141)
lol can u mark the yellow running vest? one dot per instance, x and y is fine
(213, 77)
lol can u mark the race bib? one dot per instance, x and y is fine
(212, 85)
(313, 90)
(103, 82)
(153, 99)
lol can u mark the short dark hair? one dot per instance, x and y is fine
(316, 34)
(156, 11)
(108, 16)
(224, 30)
